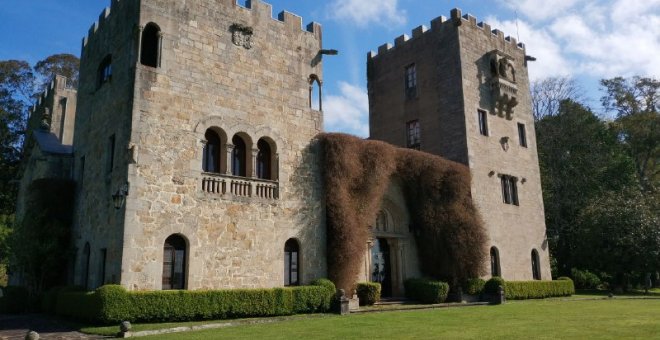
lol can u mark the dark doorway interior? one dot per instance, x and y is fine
(381, 267)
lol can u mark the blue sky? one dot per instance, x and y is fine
(587, 40)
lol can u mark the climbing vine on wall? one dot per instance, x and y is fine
(451, 240)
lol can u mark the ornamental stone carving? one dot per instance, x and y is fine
(241, 35)
(503, 84)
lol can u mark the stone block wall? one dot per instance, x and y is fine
(454, 80)
(104, 110)
(207, 79)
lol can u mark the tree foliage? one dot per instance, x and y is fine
(40, 242)
(637, 105)
(581, 159)
(622, 230)
(63, 64)
(548, 93)
(20, 85)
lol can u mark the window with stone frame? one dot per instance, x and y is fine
(291, 263)
(483, 122)
(174, 262)
(522, 135)
(509, 189)
(413, 138)
(212, 152)
(239, 157)
(264, 160)
(102, 260)
(111, 153)
(411, 81)
(104, 73)
(495, 262)
(536, 265)
(151, 45)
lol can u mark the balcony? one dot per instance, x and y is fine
(228, 185)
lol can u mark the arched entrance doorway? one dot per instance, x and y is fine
(381, 266)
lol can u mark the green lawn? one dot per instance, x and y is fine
(544, 319)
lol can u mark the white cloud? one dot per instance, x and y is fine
(364, 12)
(607, 38)
(540, 44)
(536, 10)
(347, 112)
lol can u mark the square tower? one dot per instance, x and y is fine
(192, 147)
(461, 91)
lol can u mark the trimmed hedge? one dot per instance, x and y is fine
(474, 286)
(368, 293)
(14, 299)
(493, 284)
(519, 290)
(585, 279)
(113, 304)
(426, 291)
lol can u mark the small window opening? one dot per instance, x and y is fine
(104, 74)
(151, 46)
(264, 157)
(291, 263)
(239, 163)
(174, 263)
(483, 122)
(413, 134)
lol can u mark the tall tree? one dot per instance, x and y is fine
(621, 235)
(63, 64)
(19, 86)
(637, 105)
(548, 93)
(580, 158)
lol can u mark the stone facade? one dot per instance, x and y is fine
(461, 67)
(196, 121)
(47, 152)
(254, 84)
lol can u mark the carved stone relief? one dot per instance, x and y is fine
(241, 35)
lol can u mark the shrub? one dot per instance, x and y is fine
(518, 290)
(474, 286)
(49, 299)
(368, 293)
(426, 291)
(113, 303)
(14, 299)
(492, 285)
(585, 279)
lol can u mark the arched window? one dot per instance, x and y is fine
(495, 262)
(85, 266)
(174, 263)
(104, 72)
(536, 265)
(291, 262)
(238, 161)
(150, 54)
(264, 160)
(315, 93)
(212, 153)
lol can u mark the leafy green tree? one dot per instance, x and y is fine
(580, 158)
(63, 64)
(637, 105)
(620, 232)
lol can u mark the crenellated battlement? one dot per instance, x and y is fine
(257, 8)
(58, 82)
(456, 18)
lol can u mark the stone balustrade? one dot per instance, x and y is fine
(239, 186)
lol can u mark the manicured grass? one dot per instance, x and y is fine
(544, 319)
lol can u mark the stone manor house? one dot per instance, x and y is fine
(189, 138)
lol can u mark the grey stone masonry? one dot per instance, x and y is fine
(220, 67)
(462, 67)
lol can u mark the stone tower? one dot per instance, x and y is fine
(461, 90)
(192, 144)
